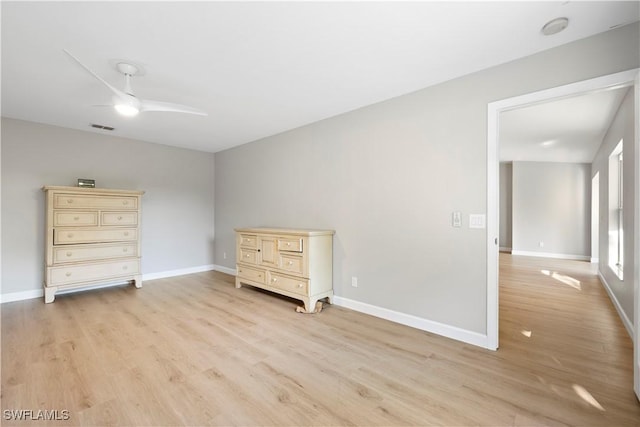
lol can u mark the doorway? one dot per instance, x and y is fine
(623, 79)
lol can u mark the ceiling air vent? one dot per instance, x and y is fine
(109, 128)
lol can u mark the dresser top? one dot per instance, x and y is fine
(91, 190)
(292, 231)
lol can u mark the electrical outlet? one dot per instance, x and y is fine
(354, 281)
(456, 219)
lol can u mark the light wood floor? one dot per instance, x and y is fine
(194, 350)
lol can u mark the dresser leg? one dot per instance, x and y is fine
(238, 284)
(310, 304)
(49, 294)
(330, 298)
(137, 281)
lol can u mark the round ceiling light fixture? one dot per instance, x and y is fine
(555, 26)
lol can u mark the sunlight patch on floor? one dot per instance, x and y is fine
(587, 397)
(562, 278)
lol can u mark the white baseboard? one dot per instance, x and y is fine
(595, 260)
(223, 269)
(21, 296)
(552, 255)
(179, 272)
(39, 293)
(448, 331)
(623, 316)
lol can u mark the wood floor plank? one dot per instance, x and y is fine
(194, 350)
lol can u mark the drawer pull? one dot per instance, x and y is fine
(125, 249)
(70, 235)
(69, 253)
(76, 218)
(300, 285)
(247, 256)
(274, 280)
(68, 274)
(124, 267)
(119, 218)
(126, 233)
(288, 243)
(69, 200)
(290, 263)
(125, 202)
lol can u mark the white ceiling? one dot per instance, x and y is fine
(568, 130)
(261, 68)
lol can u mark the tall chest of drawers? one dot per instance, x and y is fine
(295, 263)
(92, 238)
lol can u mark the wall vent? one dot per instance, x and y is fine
(103, 127)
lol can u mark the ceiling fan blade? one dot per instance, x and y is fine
(147, 105)
(115, 90)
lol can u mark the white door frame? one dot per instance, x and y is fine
(622, 79)
(636, 270)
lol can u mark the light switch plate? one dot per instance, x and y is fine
(477, 220)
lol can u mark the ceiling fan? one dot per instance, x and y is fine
(126, 103)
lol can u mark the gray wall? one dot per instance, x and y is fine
(177, 208)
(387, 177)
(552, 204)
(622, 127)
(506, 205)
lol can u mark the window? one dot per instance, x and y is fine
(616, 216)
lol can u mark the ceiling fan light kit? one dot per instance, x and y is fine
(126, 103)
(126, 110)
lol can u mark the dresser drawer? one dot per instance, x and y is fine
(119, 218)
(62, 201)
(289, 284)
(62, 254)
(66, 237)
(292, 263)
(290, 245)
(71, 218)
(252, 274)
(81, 273)
(249, 256)
(249, 241)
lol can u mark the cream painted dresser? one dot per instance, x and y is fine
(295, 263)
(93, 237)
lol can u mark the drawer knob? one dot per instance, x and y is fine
(126, 233)
(76, 218)
(70, 235)
(69, 254)
(68, 273)
(290, 263)
(300, 285)
(274, 280)
(124, 267)
(247, 256)
(125, 249)
(119, 218)
(125, 202)
(288, 243)
(69, 200)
